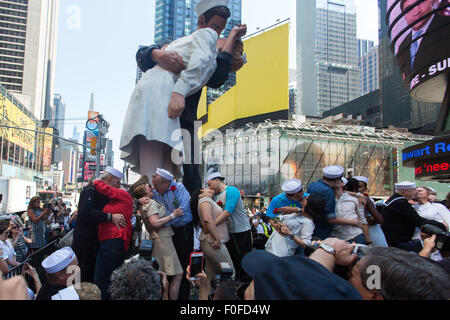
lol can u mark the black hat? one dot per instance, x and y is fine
(294, 278)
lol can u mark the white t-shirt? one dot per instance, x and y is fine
(8, 250)
(434, 211)
(259, 228)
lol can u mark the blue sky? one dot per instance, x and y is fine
(98, 40)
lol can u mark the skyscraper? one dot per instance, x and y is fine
(28, 34)
(364, 46)
(369, 71)
(329, 73)
(60, 114)
(177, 18)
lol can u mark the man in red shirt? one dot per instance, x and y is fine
(114, 241)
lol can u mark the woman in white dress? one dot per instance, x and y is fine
(151, 135)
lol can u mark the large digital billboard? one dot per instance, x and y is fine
(420, 39)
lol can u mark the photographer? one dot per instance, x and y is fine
(431, 235)
(138, 280)
(19, 241)
(223, 287)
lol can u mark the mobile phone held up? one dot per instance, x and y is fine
(196, 264)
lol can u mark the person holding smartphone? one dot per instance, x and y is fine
(19, 242)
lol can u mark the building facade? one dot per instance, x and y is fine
(60, 114)
(369, 71)
(28, 39)
(24, 153)
(364, 46)
(333, 78)
(261, 159)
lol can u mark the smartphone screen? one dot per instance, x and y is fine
(196, 264)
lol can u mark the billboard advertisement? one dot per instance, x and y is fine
(14, 115)
(419, 32)
(262, 85)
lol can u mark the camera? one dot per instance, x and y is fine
(442, 237)
(225, 274)
(26, 229)
(145, 252)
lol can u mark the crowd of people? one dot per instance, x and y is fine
(322, 240)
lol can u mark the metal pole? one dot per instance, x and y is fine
(99, 145)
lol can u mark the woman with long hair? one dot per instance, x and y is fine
(213, 237)
(38, 223)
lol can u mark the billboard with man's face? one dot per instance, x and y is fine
(420, 40)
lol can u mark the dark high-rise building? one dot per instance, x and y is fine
(60, 114)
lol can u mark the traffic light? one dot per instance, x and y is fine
(93, 146)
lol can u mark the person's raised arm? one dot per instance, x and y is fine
(236, 34)
(343, 254)
(33, 217)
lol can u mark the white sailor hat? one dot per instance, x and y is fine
(362, 179)
(164, 174)
(116, 173)
(292, 186)
(333, 172)
(212, 176)
(58, 260)
(67, 294)
(405, 185)
(431, 190)
(205, 5)
(344, 181)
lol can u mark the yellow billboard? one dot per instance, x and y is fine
(47, 149)
(262, 85)
(12, 115)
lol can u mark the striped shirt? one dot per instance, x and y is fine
(38, 231)
(21, 249)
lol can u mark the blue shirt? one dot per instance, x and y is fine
(281, 201)
(323, 229)
(173, 200)
(238, 220)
